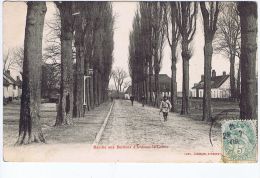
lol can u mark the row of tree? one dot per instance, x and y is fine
(177, 21)
(146, 50)
(150, 29)
(85, 28)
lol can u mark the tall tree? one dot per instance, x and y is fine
(108, 47)
(100, 11)
(173, 43)
(64, 113)
(210, 18)
(29, 124)
(131, 62)
(158, 38)
(119, 76)
(146, 50)
(248, 19)
(136, 58)
(88, 14)
(145, 40)
(80, 31)
(186, 20)
(94, 43)
(228, 38)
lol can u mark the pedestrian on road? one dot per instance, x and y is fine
(132, 99)
(165, 107)
(143, 100)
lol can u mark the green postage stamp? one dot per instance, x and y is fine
(239, 141)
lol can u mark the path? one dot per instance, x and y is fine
(181, 139)
(130, 125)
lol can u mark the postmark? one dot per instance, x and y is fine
(239, 141)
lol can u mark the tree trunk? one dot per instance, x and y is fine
(248, 19)
(133, 87)
(74, 93)
(150, 83)
(142, 90)
(95, 87)
(232, 77)
(238, 80)
(173, 80)
(156, 86)
(156, 76)
(99, 88)
(208, 51)
(102, 90)
(146, 83)
(105, 90)
(185, 78)
(209, 32)
(29, 124)
(87, 83)
(78, 103)
(65, 108)
(145, 91)
(137, 91)
(91, 92)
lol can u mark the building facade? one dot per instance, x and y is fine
(11, 88)
(220, 86)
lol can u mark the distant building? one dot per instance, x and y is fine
(220, 86)
(12, 88)
(128, 92)
(116, 94)
(164, 85)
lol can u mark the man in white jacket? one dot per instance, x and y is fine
(165, 107)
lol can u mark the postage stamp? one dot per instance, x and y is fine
(239, 141)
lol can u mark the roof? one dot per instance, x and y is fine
(164, 82)
(216, 82)
(5, 82)
(9, 80)
(129, 89)
(163, 78)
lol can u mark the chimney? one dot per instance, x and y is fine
(8, 72)
(202, 77)
(213, 73)
(224, 73)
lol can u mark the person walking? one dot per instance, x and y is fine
(165, 107)
(132, 99)
(143, 100)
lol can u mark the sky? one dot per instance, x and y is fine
(14, 16)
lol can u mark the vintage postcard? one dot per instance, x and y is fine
(145, 82)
